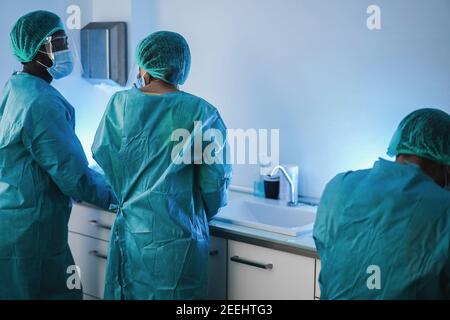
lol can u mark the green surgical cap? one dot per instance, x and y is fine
(424, 133)
(30, 32)
(166, 56)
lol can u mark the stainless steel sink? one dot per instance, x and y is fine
(270, 216)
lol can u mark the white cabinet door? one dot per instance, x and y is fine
(91, 221)
(90, 256)
(259, 273)
(217, 285)
(317, 292)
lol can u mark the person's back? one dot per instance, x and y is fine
(378, 239)
(163, 203)
(151, 146)
(145, 164)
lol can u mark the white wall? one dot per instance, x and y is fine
(312, 68)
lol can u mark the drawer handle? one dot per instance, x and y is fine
(100, 225)
(214, 253)
(268, 266)
(97, 254)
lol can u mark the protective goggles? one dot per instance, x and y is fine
(55, 44)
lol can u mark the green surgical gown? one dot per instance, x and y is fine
(42, 165)
(384, 233)
(159, 246)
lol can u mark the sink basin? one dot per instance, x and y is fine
(269, 216)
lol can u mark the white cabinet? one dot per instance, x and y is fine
(257, 273)
(90, 256)
(92, 222)
(237, 271)
(90, 229)
(317, 291)
(217, 278)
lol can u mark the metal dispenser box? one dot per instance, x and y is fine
(104, 52)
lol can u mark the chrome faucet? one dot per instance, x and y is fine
(293, 197)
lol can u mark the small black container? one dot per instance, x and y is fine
(272, 187)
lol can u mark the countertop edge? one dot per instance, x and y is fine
(230, 234)
(266, 243)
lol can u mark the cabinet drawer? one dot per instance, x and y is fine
(317, 292)
(259, 273)
(91, 221)
(217, 284)
(90, 256)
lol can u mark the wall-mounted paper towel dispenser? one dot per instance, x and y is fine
(104, 52)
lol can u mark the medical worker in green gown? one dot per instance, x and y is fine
(384, 233)
(42, 165)
(147, 145)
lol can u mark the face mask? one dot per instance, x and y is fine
(62, 64)
(140, 82)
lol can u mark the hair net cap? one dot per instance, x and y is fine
(424, 133)
(30, 32)
(166, 56)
